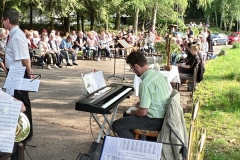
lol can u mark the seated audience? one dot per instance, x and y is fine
(66, 46)
(2, 49)
(91, 45)
(188, 67)
(150, 39)
(103, 45)
(58, 38)
(80, 43)
(47, 53)
(55, 48)
(153, 98)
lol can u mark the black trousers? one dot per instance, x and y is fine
(23, 96)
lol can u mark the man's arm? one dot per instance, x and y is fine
(27, 64)
(141, 112)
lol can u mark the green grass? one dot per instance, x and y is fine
(219, 95)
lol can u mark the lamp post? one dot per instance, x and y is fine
(171, 28)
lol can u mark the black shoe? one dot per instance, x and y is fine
(68, 64)
(59, 66)
(74, 63)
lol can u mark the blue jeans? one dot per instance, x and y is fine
(65, 53)
(123, 127)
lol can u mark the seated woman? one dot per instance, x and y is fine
(91, 45)
(47, 53)
(188, 67)
(103, 45)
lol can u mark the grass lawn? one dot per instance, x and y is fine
(219, 95)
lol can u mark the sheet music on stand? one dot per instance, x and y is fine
(15, 80)
(94, 81)
(9, 113)
(125, 149)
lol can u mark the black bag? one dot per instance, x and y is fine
(84, 156)
(190, 86)
(94, 152)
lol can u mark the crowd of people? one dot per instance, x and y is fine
(52, 48)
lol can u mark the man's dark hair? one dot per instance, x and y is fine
(136, 58)
(12, 15)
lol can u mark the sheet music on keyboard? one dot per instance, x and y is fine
(94, 81)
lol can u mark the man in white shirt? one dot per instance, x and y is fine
(17, 54)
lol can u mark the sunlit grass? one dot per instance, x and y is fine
(219, 95)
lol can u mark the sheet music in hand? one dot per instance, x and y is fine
(9, 113)
(125, 149)
(15, 80)
(94, 81)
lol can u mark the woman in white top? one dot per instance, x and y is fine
(47, 53)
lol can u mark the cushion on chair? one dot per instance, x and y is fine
(186, 76)
(145, 132)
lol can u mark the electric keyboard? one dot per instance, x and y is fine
(103, 100)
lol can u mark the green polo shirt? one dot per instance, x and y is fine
(154, 93)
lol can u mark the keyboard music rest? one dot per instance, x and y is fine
(92, 104)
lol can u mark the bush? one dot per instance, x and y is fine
(235, 45)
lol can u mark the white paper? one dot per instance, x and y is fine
(5, 96)
(9, 113)
(10, 91)
(130, 149)
(16, 81)
(130, 109)
(16, 71)
(30, 85)
(94, 81)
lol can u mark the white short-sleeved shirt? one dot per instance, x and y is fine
(17, 48)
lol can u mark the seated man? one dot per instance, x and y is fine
(66, 46)
(154, 95)
(80, 42)
(55, 48)
(2, 49)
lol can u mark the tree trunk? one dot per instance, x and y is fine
(230, 25)
(67, 24)
(135, 25)
(51, 23)
(78, 19)
(106, 23)
(30, 16)
(225, 26)
(2, 6)
(154, 16)
(82, 22)
(221, 21)
(117, 21)
(92, 19)
(216, 18)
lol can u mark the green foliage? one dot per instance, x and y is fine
(160, 47)
(219, 94)
(235, 45)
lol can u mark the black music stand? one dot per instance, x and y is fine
(114, 68)
(125, 46)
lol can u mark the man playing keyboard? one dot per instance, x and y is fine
(153, 98)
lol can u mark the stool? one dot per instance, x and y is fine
(139, 132)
